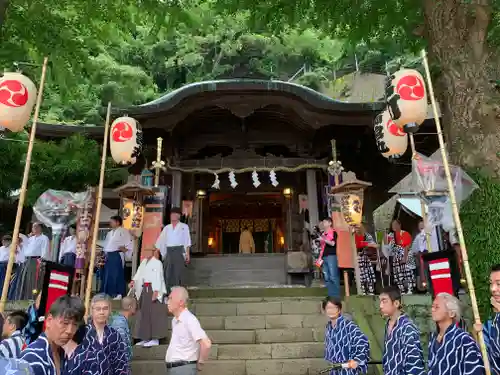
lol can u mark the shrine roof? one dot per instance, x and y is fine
(241, 97)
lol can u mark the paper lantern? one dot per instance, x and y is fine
(391, 140)
(17, 98)
(350, 205)
(125, 140)
(407, 99)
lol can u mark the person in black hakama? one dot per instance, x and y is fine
(67, 255)
(151, 324)
(173, 244)
(37, 247)
(118, 242)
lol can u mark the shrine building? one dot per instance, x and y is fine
(254, 125)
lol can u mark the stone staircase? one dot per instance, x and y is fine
(253, 335)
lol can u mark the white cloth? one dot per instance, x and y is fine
(37, 246)
(186, 332)
(117, 238)
(150, 271)
(5, 252)
(68, 246)
(420, 242)
(170, 237)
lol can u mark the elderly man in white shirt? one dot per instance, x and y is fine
(173, 244)
(36, 248)
(189, 344)
(118, 242)
(67, 255)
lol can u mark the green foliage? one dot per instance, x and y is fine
(481, 223)
(71, 165)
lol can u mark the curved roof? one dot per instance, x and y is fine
(228, 86)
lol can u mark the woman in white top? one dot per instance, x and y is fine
(67, 255)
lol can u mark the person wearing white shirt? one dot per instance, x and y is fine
(18, 266)
(37, 247)
(4, 258)
(173, 244)
(189, 345)
(67, 255)
(151, 324)
(118, 241)
(420, 247)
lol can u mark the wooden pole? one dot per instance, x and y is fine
(24, 186)
(97, 213)
(456, 216)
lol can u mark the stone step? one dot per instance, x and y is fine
(236, 308)
(305, 366)
(255, 291)
(265, 336)
(296, 350)
(255, 322)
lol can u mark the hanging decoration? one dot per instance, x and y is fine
(17, 99)
(255, 179)
(273, 178)
(407, 99)
(232, 179)
(216, 184)
(351, 207)
(391, 140)
(125, 140)
(187, 208)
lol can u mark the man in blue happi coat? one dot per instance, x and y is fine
(402, 348)
(452, 351)
(344, 342)
(46, 355)
(491, 329)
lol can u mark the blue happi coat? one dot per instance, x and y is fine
(39, 356)
(344, 342)
(402, 349)
(108, 358)
(456, 354)
(491, 332)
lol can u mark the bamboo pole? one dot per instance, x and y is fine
(24, 186)
(456, 216)
(97, 212)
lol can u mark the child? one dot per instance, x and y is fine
(14, 343)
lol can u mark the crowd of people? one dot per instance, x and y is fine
(398, 261)
(451, 349)
(100, 344)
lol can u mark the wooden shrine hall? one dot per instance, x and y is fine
(256, 126)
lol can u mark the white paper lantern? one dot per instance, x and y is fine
(391, 140)
(407, 98)
(17, 98)
(352, 210)
(125, 140)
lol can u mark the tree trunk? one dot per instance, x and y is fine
(457, 33)
(4, 4)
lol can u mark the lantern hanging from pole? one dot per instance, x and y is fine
(17, 98)
(391, 140)
(125, 140)
(407, 99)
(351, 207)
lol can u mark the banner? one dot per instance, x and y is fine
(154, 208)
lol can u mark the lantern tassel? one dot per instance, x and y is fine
(24, 185)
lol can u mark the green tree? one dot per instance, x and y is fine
(461, 37)
(71, 165)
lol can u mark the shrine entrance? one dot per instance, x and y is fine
(262, 213)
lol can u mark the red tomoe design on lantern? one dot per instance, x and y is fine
(406, 97)
(125, 140)
(17, 99)
(391, 140)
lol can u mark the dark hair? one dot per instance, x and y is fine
(333, 300)
(495, 268)
(67, 307)
(392, 292)
(118, 219)
(73, 226)
(329, 219)
(19, 318)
